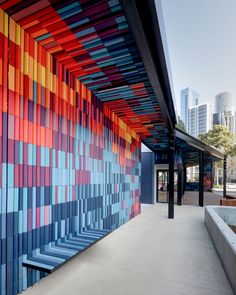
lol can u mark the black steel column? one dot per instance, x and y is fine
(180, 184)
(212, 173)
(157, 188)
(201, 184)
(224, 176)
(171, 175)
(185, 179)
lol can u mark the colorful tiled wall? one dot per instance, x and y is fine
(93, 40)
(207, 176)
(67, 162)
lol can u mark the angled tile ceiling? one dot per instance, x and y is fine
(190, 154)
(93, 41)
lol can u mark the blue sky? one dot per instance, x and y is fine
(201, 36)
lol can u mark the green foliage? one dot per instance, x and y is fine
(181, 125)
(221, 138)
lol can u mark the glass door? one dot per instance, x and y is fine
(162, 186)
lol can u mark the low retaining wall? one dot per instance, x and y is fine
(217, 220)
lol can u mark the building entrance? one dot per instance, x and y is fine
(162, 191)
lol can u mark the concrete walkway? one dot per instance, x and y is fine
(192, 198)
(148, 255)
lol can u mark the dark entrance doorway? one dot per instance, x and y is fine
(162, 186)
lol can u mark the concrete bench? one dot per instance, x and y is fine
(54, 255)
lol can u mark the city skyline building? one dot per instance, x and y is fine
(205, 113)
(223, 101)
(225, 111)
(200, 119)
(230, 120)
(219, 119)
(188, 98)
(193, 121)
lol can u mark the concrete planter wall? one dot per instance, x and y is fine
(224, 239)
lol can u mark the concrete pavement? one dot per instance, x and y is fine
(149, 255)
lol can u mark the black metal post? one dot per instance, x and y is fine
(180, 184)
(157, 186)
(212, 173)
(224, 176)
(185, 179)
(171, 175)
(183, 182)
(201, 184)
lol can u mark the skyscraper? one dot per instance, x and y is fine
(205, 112)
(189, 98)
(219, 119)
(200, 119)
(223, 101)
(193, 121)
(225, 111)
(230, 120)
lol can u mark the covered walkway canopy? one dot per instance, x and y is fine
(190, 147)
(195, 152)
(117, 49)
(82, 83)
(114, 48)
(184, 151)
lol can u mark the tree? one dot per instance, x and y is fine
(181, 125)
(221, 138)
